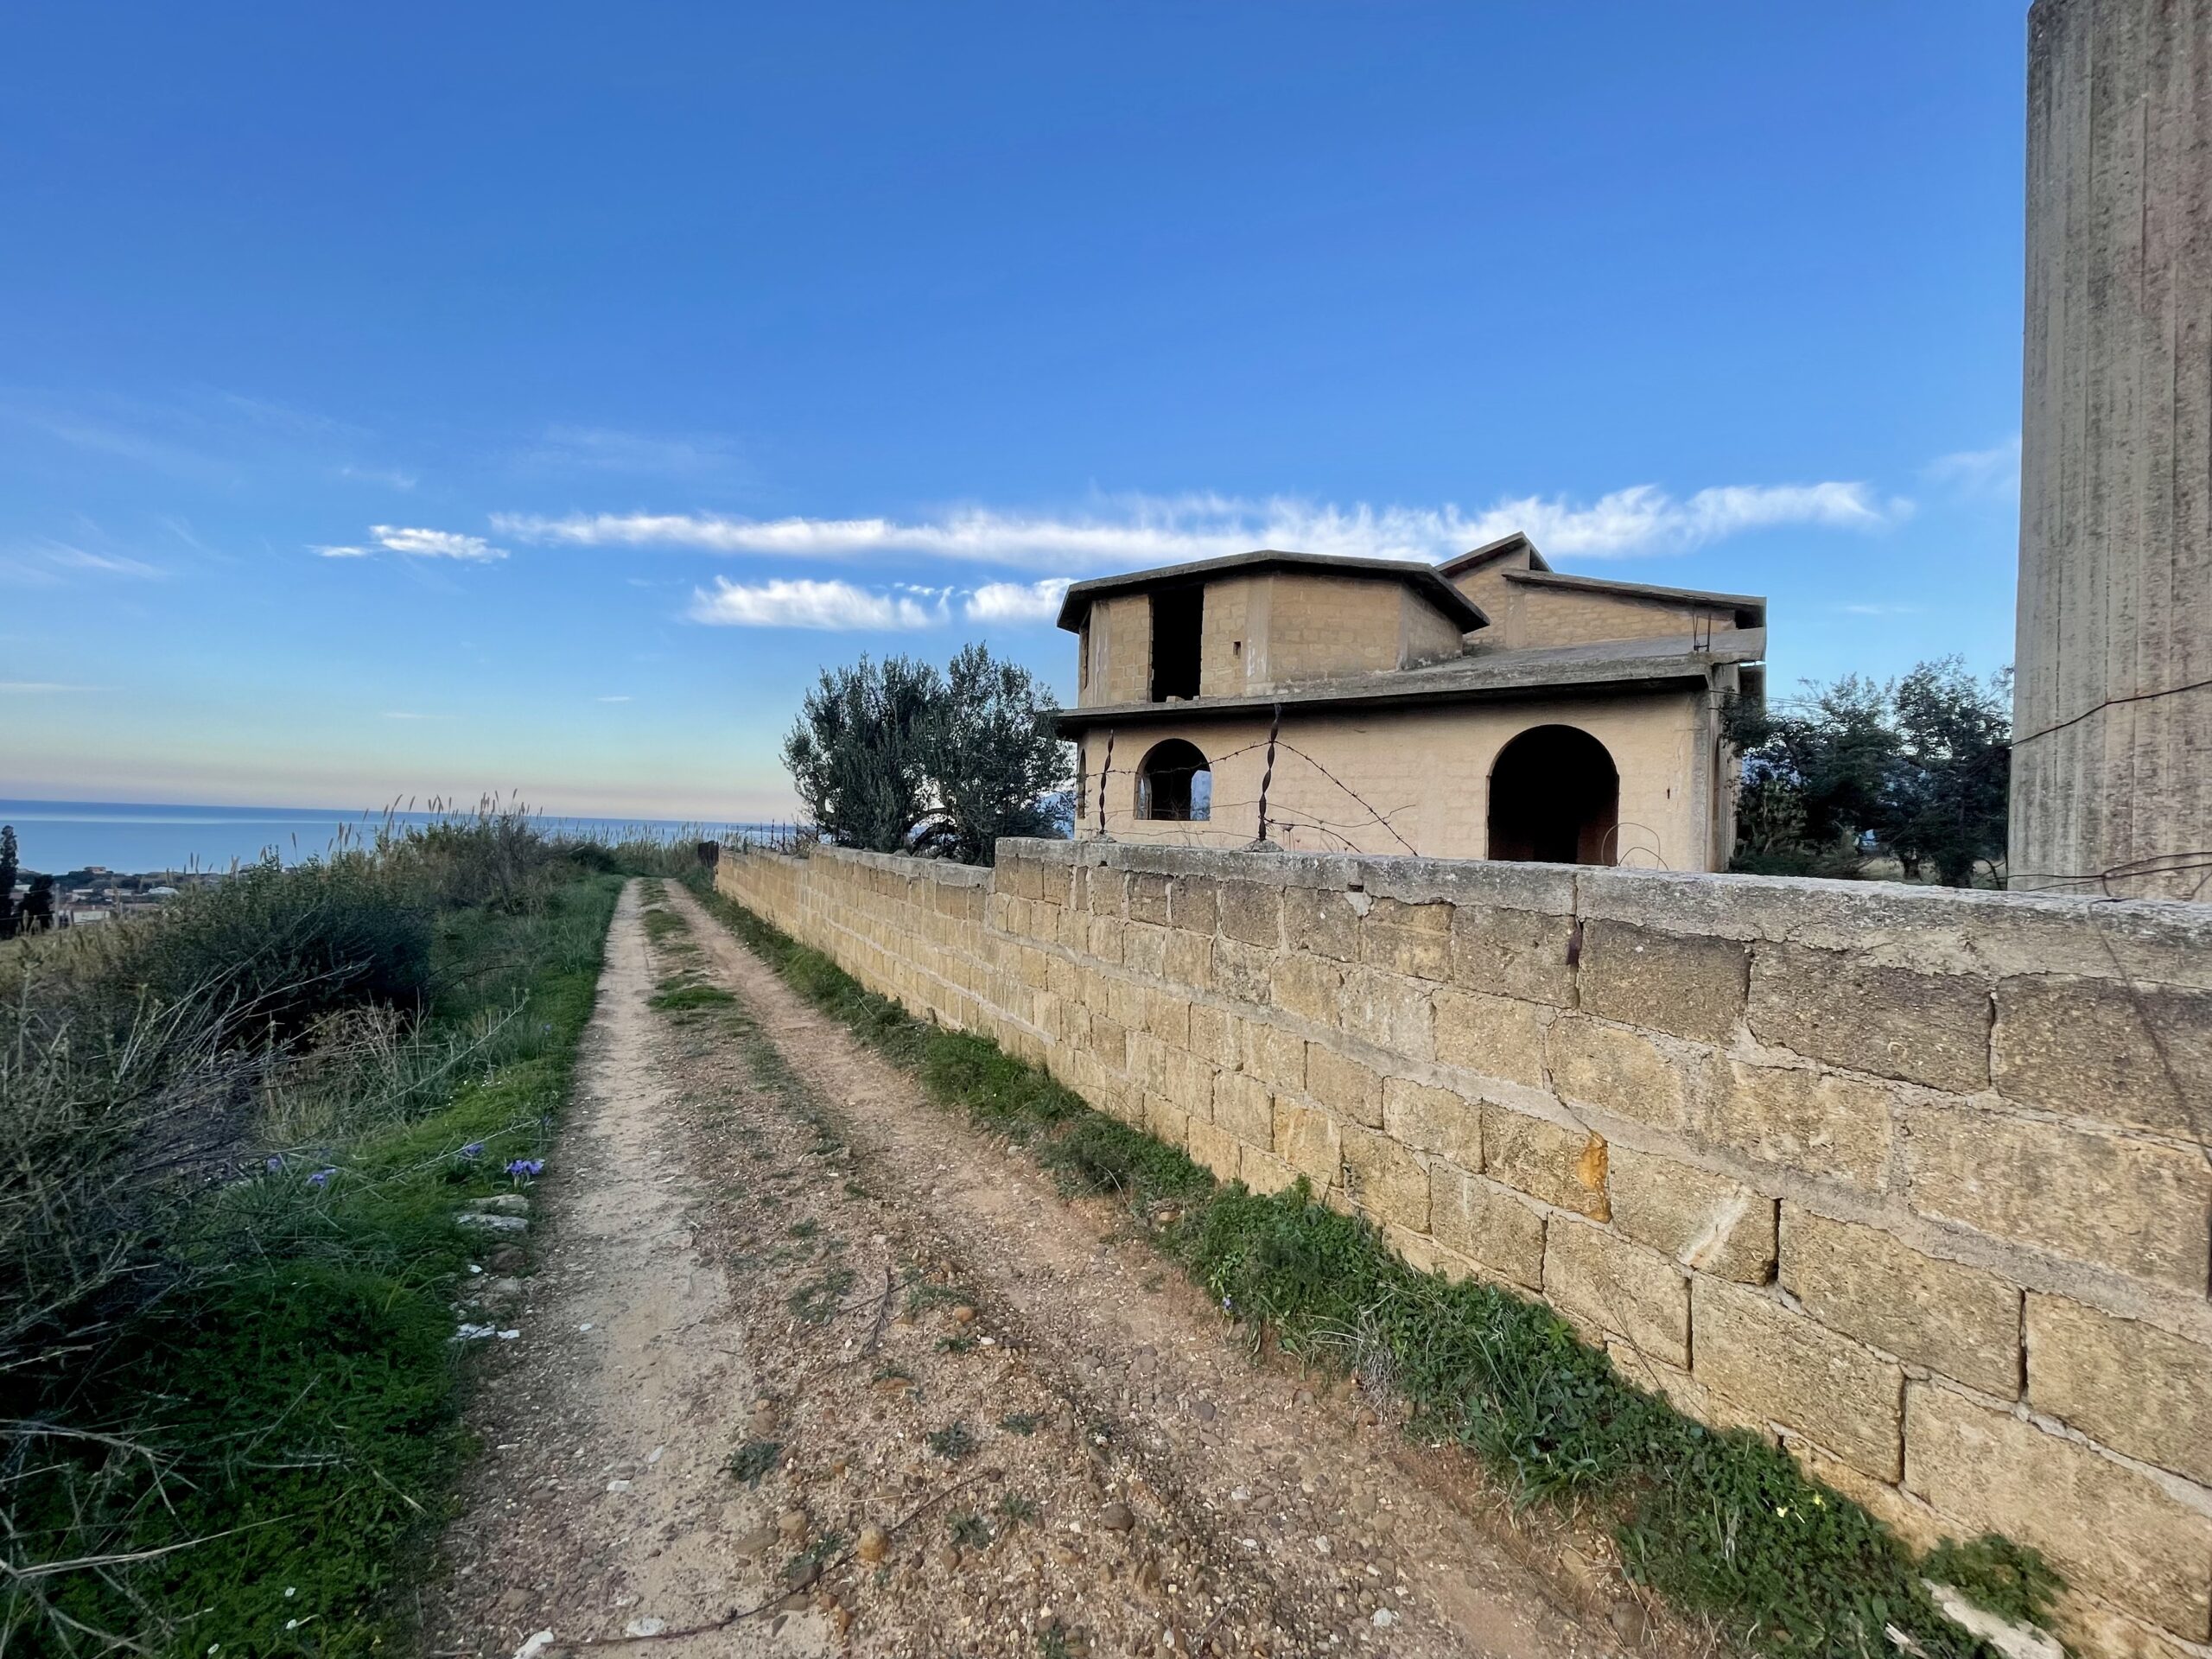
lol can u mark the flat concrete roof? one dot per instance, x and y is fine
(1615, 664)
(1421, 577)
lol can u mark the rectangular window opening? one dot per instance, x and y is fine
(1178, 621)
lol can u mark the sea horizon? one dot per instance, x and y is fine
(133, 837)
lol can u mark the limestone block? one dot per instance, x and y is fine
(1837, 1129)
(1265, 1173)
(1414, 940)
(1210, 1034)
(1148, 898)
(2138, 1055)
(1244, 1107)
(1689, 986)
(1251, 912)
(1188, 960)
(1790, 1369)
(1494, 1036)
(1213, 1147)
(1106, 893)
(1352, 1091)
(1385, 1179)
(1186, 1079)
(1512, 953)
(1164, 1121)
(1194, 904)
(1560, 1165)
(1104, 939)
(1895, 1022)
(1599, 1279)
(1308, 987)
(1274, 1056)
(1486, 1224)
(1144, 949)
(1703, 1220)
(1110, 1042)
(1624, 1072)
(2141, 1390)
(1167, 1017)
(2110, 1199)
(1953, 1318)
(1241, 972)
(1309, 1142)
(1321, 922)
(1391, 1011)
(2107, 1526)
(1417, 1250)
(1433, 1120)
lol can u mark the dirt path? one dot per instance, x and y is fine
(981, 1420)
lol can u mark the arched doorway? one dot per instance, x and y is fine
(1555, 798)
(1173, 781)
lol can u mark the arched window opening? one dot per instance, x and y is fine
(1175, 782)
(1555, 798)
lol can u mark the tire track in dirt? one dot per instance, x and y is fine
(1298, 1504)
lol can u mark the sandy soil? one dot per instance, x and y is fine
(979, 1419)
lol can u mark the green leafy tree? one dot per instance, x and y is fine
(856, 753)
(1816, 777)
(992, 759)
(1949, 797)
(1917, 768)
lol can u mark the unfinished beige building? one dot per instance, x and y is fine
(1485, 707)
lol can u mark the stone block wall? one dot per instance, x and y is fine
(1911, 1181)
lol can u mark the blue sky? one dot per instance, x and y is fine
(412, 399)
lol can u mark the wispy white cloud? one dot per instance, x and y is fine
(1135, 531)
(1017, 602)
(68, 558)
(1994, 472)
(836, 605)
(436, 543)
(343, 552)
(390, 478)
(646, 455)
(28, 688)
(625, 698)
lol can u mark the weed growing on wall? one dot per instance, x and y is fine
(1721, 1523)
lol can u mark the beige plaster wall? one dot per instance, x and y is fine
(1262, 631)
(1537, 615)
(1908, 1181)
(1418, 779)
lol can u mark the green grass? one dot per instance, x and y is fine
(1995, 1574)
(299, 1394)
(752, 1461)
(954, 1442)
(682, 998)
(1721, 1523)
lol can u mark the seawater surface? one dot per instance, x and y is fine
(130, 836)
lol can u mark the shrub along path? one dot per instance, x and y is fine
(858, 1378)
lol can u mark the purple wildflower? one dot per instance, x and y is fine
(474, 1149)
(321, 1179)
(523, 1168)
(276, 1164)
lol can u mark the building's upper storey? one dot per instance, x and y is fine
(1268, 622)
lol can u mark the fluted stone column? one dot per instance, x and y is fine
(2113, 767)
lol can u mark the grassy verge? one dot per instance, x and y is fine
(253, 1455)
(1720, 1523)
